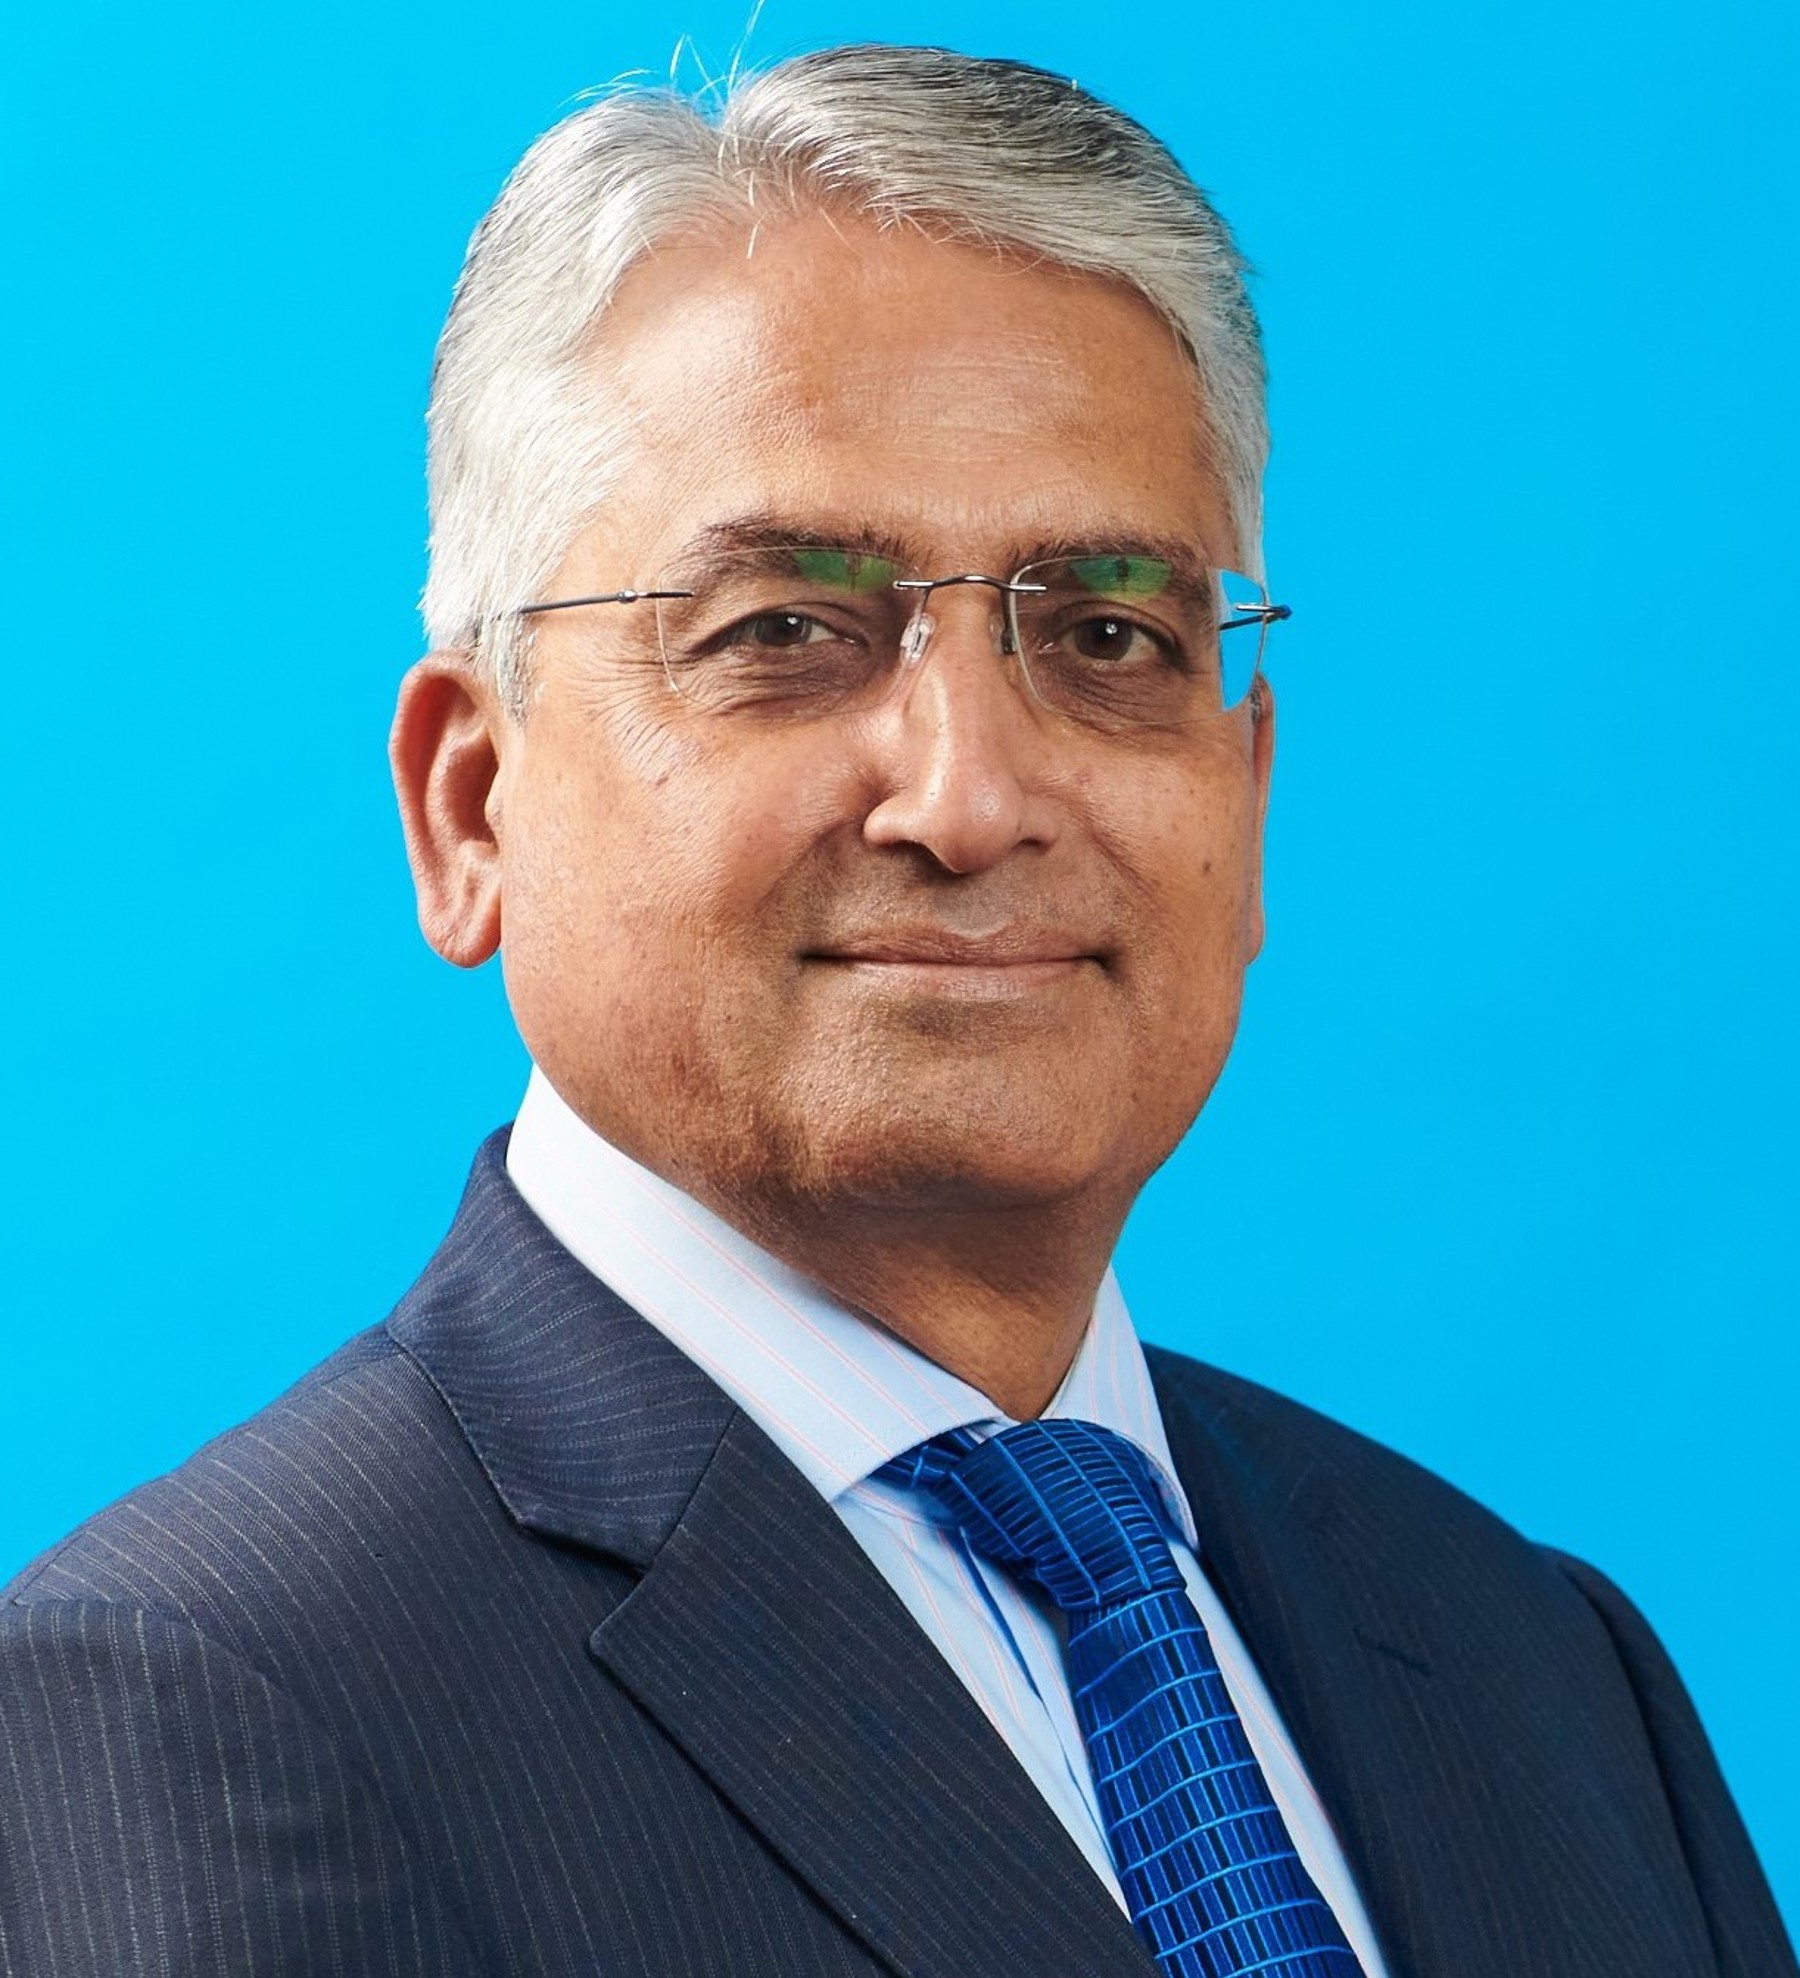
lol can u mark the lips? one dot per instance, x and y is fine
(1008, 947)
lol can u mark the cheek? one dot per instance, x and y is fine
(1193, 852)
(638, 895)
(1193, 865)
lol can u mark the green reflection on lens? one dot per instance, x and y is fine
(845, 569)
(1122, 576)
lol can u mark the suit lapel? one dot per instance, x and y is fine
(770, 1650)
(760, 1637)
(1296, 1610)
(1443, 1691)
(769, 1647)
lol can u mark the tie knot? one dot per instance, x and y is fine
(1068, 1504)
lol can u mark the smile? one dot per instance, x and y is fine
(937, 962)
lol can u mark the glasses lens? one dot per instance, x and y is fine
(1130, 641)
(802, 629)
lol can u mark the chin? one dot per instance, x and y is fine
(975, 1147)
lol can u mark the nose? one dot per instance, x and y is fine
(962, 751)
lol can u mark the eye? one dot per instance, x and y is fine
(1113, 640)
(781, 631)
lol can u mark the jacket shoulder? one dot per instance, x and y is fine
(1746, 1928)
(1389, 1511)
(1434, 1580)
(330, 1483)
(1290, 1442)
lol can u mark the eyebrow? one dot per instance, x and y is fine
(1183, 556)
(767, 529)
(764, 529)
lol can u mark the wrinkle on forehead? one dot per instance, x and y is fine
(840, 359)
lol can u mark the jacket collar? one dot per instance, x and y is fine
(1464, 1723)
(769, 1648)
(589, 1424)
(759, 1636)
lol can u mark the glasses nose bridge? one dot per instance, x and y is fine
(922, 625)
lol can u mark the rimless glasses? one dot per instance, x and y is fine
(1111, 637)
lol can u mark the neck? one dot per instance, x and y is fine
(1000, 1298)
(997, 1291)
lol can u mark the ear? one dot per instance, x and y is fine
(1262, 764)
(445, 751)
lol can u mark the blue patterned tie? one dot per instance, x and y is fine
(1213, 1882)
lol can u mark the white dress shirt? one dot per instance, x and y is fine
(839, 1396)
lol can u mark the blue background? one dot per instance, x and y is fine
(1503, 1170)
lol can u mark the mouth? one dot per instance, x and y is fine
(934, 960)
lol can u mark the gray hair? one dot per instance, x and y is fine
(523, 440)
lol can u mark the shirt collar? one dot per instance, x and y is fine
(836, 1392)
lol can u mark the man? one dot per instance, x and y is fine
(758, 1543)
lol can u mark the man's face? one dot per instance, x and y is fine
(953, 953)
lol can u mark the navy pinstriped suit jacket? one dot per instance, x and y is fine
(504, 1643)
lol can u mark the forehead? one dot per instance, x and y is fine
(962, 399)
